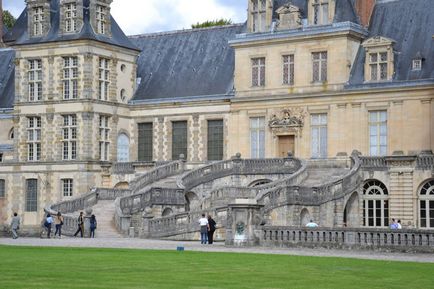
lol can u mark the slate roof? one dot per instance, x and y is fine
(7, 78)
(186, 63)
(18, 34)
(411, 24)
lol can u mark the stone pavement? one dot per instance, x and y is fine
(217, 247)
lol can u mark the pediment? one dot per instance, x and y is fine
(378, 41)
(287, 8)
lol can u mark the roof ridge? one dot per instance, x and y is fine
(179, 31)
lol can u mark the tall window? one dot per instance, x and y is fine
(378, 133)
(104, 74)
(259, 8)
(258, 71)
(375, 204)
(288, 69)
(426, 205)
(104, 136)
(215, 140)
(179, 139)
(34, 138)
(319, 61)
(145, 143)
(101, 19)
(319, 135)
(257, 137)
(69, 137)
(70, 17)
(320, 12)
(67, 187)
(31, 195)
(123, 148)
(38, 21)
(35, 79)
(70, 78)
(2, 189)
(378, 63)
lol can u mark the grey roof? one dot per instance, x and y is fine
(186, 63)
(410, 23)
(7, 78)
(18, 35)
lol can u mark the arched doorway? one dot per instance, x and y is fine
(304, 217)
(257, 183)
(167, 212)
(351, 212)
(123, 148)
(191, 201)
(122, 186)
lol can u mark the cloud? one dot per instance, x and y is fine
(139, 16)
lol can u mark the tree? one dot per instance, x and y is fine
(8, 19)
(217, 22)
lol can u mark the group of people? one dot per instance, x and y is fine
(207, 229)
(396, 225)
(57, 220)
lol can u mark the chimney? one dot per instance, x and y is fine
(364, 9)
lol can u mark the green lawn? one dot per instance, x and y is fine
(60, 268)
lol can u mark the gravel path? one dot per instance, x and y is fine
(217, 247)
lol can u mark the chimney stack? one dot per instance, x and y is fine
(364, 9)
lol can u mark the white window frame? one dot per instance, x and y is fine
(35, 80)
(320, 10)
(101, 19)
(288, 73)
(69, 135)
(319, 59)
(123, 146)
(67, 187)
(104, 78)
(258, 71)
(257, 137)
(104, 136)
(70, 78)
(319, 135)
(378, 132)
(34, 138)
(71, 17)
(417, 64)
(38, 20)
(378, 65)
(259, 15)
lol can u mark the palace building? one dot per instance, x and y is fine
(84, 106)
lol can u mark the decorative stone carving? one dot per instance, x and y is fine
(289, 17)
(290, 120)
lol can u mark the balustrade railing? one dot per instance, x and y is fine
(156, 174)
(425, 162)
(374, 162)
(408, 240)
(123, 168)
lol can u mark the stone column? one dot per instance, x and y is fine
(243, 223)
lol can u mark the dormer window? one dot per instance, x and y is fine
(379, 63)
(320, 12)
(38, 21)
(417, 64)
(101, 19)
(258, 14)
(71, 17)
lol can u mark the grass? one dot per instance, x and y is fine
(63, 268)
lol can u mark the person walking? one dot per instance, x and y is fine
(80, 225)
(92, 226)
(211, 225)
(59, 223)
(15, 225)
(48, 223)
(204, 227)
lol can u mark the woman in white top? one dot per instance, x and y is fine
(204, 227)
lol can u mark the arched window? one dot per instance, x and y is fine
(123, 148)
(375, 204)
(258, 183)
(11, 134)
(426, 205)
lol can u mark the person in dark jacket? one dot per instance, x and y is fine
(211, 230)
(80, 225)
(92, 226)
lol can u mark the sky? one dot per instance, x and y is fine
(145, 16)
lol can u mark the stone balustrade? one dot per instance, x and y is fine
(157, 174)
(123, 168)
(363, 238)
(238, 166)
(425, 162)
